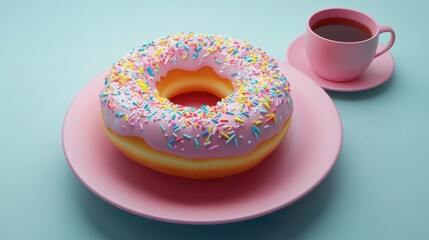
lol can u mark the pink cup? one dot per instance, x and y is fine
(343, 61)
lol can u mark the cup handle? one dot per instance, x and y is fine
(390, 43)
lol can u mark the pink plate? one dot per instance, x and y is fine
(377, 73)
(299, 164)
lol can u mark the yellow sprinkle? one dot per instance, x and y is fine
(126, 117)
(142, 84)
(187, 123)
(161, 99)
(237, 119)
(227, 58)
(128, 65)
(257, 122)
(185, 56)
(224, 135)
(269, 100)
(271, 116)
(275, 76)
(211, 129)
(157, 52)
(266, 105)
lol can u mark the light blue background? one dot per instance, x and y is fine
(50, 50)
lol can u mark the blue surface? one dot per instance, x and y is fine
(50, 50)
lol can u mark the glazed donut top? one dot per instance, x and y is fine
(254, 112)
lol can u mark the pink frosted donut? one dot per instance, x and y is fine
(232, 136)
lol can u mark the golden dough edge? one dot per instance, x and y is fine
(138, 150)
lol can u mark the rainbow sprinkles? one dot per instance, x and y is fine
(254, 112)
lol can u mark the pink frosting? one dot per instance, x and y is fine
(256, 111)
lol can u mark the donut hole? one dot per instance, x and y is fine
(195, 99)
(194, 88)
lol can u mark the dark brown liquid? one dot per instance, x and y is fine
(342, 30)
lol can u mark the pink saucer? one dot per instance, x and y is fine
(377, 73)
(300, 163)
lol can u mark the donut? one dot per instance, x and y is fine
(211, 141)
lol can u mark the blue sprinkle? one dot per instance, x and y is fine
(176, 128)
(150, 71)
(153, 113)
(195, 55)
(198, 49)
(172, 140)
(204, 107)
(197, 144)
(234, 52)
(170, 146)
(245, 114)
(187, 136)
(125, 106)
(230, 139)
(119, 114)
(256, 135)
(236, 142)
(234, 74)
(162, 127)
(205, 132)
(186, 47)
(218, 61)
(255, 129)
(214, 120)
(230, 113)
